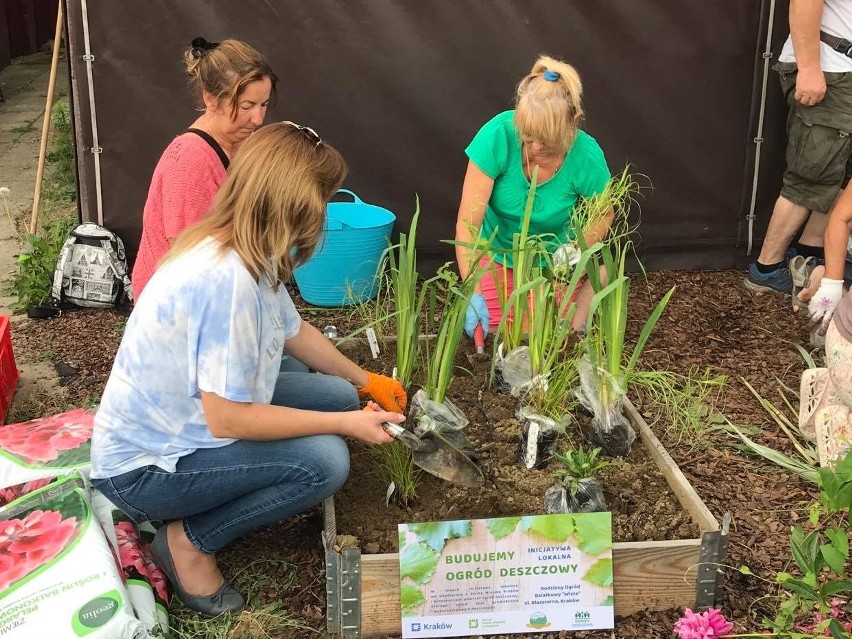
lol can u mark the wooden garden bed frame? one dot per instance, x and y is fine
(363, 589)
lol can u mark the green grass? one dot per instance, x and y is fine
(686, 405)
(257, 621)
(29, 127)
(393, 465)
(60, 182)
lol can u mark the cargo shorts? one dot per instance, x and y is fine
(819, 144)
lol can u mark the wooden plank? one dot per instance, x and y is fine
(652, 575)
(655, 575)
(679, 484)
(380, 609)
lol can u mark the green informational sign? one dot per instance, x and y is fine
(506, 575)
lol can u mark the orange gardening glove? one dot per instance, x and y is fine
(385, 391)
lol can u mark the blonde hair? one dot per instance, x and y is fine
(225, 69)
(271, 209)
(550, 111)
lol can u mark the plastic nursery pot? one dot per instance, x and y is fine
(589, 498)
(613, 434)
(537, 442)
(498, 383)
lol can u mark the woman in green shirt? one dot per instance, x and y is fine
(542, 132)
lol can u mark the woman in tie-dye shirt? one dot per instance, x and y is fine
(197, 426)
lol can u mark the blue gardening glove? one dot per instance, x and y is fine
(477, 313)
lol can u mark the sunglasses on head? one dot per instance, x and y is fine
(312, 135)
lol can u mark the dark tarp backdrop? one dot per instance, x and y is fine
(401, 86)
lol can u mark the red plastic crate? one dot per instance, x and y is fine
(8, 369)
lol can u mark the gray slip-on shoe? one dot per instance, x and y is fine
(226, 599)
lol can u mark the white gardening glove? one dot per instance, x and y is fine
(825, 300)
(565, 258)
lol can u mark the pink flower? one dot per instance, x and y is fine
(11, 570)
(706, 625)
(134, 555)
(837, 611)
(41, 440)
(26, 544)
(8, 495)
(155, 576)
(71, 435)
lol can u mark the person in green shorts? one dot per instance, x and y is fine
(542, 132)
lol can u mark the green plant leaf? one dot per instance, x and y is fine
(436, 534)
(745, 570)
(835, 587)
(834, 558)
(410, 597)
(594, 532)
(600, 573)
(418, 562)
(836, 630)
(552, 527)
(805, 549)
(503, 527)
(804, 590)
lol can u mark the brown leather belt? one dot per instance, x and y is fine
(841, 45)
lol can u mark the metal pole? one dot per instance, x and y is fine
(758, 140)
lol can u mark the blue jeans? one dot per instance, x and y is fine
(290, 364)
(223, 493)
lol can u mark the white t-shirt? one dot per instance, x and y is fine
(203, 324)
(836, 21)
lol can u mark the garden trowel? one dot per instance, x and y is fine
(434, 454)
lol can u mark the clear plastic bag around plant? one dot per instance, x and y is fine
(516, 371)
(609, 427)
(537, 443)
(497, 381)
(589, 498)
(446, 418)
(613, 433)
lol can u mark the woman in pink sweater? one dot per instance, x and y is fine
(235, 85)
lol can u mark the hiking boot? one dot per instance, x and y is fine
(778, 281)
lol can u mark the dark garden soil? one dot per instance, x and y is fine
(636, 492)
(711, 322)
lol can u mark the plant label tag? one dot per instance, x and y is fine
(373, 342)
(531, 455)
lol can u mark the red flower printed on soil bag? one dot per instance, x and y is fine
(136, 556)
(43, 440)
(26, 544)
(8, 495)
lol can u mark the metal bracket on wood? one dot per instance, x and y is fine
(710, 581)
(342, 581)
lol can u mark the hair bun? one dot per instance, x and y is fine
(200, 46)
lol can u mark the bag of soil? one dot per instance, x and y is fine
(58, 578)
(589, 498)
(131, 545)
(46, 447)
(609, 427)
(537, 443)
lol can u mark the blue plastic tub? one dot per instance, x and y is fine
(343, 269)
